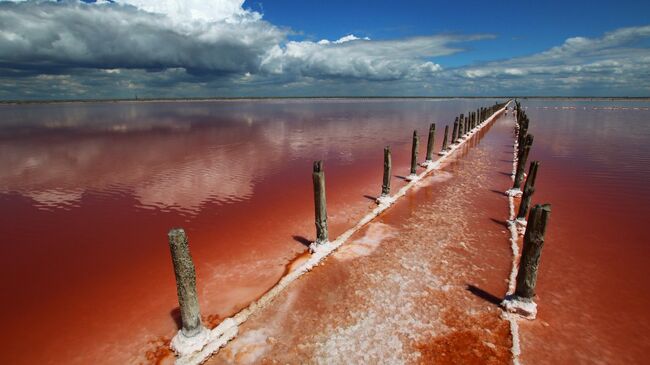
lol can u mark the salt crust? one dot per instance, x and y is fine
(513, 307)
(426, 163)
(521, 306)
(228, 329)
(184, 345)
(413, 177)
(385, 200)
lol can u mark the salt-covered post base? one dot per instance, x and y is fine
(523, 307)
(426, 164)
(385, 200)
(520, 225)
(183, 345)
(514, 192)
(314, 246)
(413, 177)
(215, 339)
(442, 153)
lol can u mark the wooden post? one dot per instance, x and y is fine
(454, 134)
(444, 140)
(461, 129)
(185, 283)
(521, 163)
(532, 250)
(414, 153)
(529, 189)
(432, 133)
(385, 187)
(320, 206)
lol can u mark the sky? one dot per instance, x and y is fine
(235, 48)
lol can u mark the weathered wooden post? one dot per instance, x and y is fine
(192, 333)
(522, 301)
(320, 206)
(521, 162)
(444, 141)
(432, 133)
(454, 134)
(461, 124)
(529, 189)
(385, 186)
(414, 155)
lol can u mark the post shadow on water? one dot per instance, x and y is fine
(498, 192)
(484, 295)
(400, 177)
(303, 240)
(500, 222)
(176, 316)
(370, 197)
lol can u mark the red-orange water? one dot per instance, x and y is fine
(89, 191)
(594, 297)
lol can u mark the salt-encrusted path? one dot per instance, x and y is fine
(420, 284)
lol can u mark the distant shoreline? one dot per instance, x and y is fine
(207, 99)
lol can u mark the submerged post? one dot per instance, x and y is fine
(385, 186)
(432, 132)
(320, 207)
(529, 189)
(521, 163)
(192, 333)
(522, 300)
(444, 141)
(414, 154)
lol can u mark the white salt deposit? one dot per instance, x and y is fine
(364, 246)
(184, 345)
(228, 329)
(514, 236)
(426, 163)
(385, 200)
(218, 337)
(526, 308)
(413, 177)
(514, 192)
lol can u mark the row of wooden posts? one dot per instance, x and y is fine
(463, 125)
(184, 269)
(537, 218)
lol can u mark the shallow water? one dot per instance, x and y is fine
(425, 294)
(89, 191)
(593, 297)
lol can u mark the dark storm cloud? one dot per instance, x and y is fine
(51, 37)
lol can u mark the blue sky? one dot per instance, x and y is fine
(521, 27)
(193, 48)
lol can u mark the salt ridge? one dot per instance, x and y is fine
(229, 328)
(514, 236)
